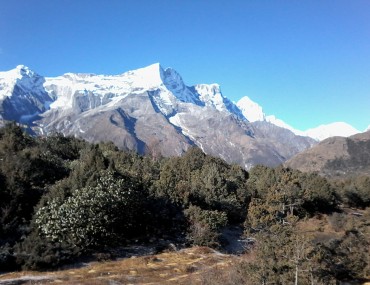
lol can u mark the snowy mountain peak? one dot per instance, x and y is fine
(254, 112)
(21, 76)
(340, 129)
(146, 77)
(24, 71)
(251, 110)
(175, 84)
(17, 73)
(22, 92)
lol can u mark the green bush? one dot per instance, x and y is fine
(92, 216)
(205, 181)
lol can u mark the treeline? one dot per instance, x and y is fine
(61, 198)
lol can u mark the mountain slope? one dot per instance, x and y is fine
(336, 156)
(149, 110)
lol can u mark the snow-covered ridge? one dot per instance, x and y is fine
(165, 86)
(280, 123)
(66, 86)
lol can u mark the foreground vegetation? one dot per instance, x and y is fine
(62, 198)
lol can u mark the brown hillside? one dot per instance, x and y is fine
(336, 156)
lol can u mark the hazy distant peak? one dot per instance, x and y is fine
(340, 129)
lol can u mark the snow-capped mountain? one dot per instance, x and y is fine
(150, 110)
(338, 129)
(22, 94)
(254, 112)
(251, 110)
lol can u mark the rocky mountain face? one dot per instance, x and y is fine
(336, 156)
(149, 110)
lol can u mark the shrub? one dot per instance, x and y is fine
(92, 216)
(204, 226)
(38, 253)
(337, 221)
(357, 192)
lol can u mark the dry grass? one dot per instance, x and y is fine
(182, 267)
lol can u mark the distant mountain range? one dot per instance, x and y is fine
(151, 110)
(253, 112)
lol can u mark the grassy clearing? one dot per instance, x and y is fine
(183, 267)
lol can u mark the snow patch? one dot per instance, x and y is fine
(176, 121)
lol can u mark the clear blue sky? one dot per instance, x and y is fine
(307, 62)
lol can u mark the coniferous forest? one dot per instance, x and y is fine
(63, 199)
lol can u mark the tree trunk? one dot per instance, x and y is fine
(296, 275)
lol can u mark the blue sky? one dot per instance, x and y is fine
(307, 62)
